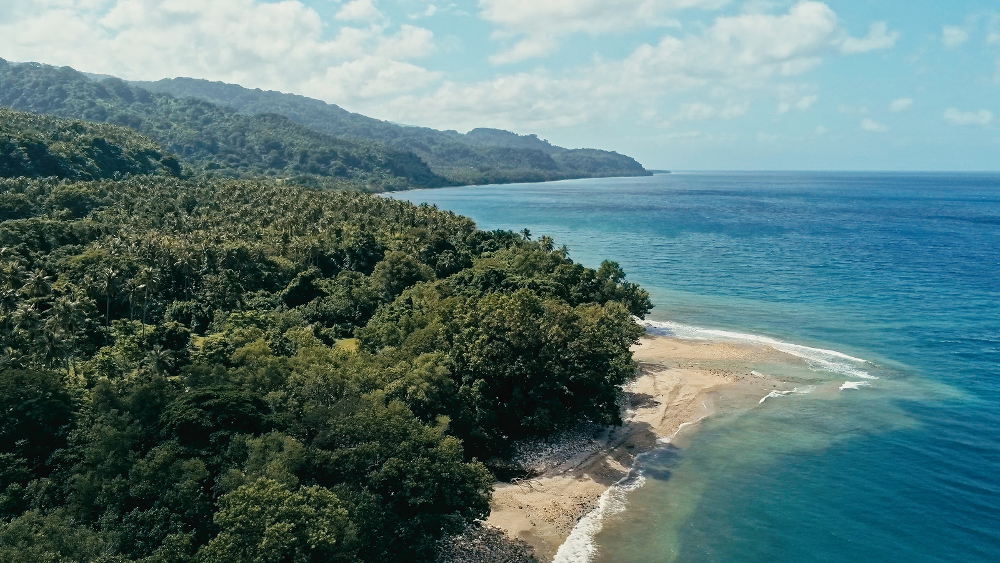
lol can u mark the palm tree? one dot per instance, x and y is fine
(37, 285)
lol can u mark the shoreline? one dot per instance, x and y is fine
(679, 383)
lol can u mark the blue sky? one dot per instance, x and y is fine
(681, 84)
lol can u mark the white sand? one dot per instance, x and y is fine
(677, 383)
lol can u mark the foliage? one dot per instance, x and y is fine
(206, 370)
(481, 156)
(265, 521)
(210, 139)
(37, 146)
(36, 409)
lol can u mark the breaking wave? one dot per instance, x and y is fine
(817, 358)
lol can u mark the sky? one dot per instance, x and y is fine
(677, 84)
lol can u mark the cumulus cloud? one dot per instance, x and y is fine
(870, 125)
(731, 57)
(953, 35)
(900, 104)
(362, 59)
(879, 37)
(359, 10)
(411, 42)
(527, 48)
(795, 98)
(537, 26)
(956, 116)
(279, 45)
(742, 47)
(531, 101)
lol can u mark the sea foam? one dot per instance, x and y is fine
(828, 360)
(854, 385)
(796, 391)
(580, 547)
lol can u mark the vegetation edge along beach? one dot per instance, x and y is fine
(143, 314)
(183, 354)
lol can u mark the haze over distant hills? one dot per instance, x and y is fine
(227, 130)
(40, 146)
(211, 139)
(479, 156)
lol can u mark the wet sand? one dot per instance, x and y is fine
(678, 381)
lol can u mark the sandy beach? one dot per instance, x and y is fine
(678, 381)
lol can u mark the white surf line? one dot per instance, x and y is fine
(795, 391)
(829, 360)
(579, 546)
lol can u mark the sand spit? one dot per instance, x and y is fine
(679, 381)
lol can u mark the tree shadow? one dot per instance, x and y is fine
(640, 400)
(626, 447)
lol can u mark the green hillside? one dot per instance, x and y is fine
(212, 139)
(215, 371)
(35, 146)
(480, 156)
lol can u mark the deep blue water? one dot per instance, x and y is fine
(900, 269)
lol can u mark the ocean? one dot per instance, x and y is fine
(887, 284)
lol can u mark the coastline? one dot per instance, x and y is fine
(678, 384)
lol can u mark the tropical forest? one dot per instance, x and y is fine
(216, 347)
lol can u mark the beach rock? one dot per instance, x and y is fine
(478, 544)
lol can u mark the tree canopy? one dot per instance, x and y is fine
(481, 156)
(36, 146)
(211, 139)
(250, 370)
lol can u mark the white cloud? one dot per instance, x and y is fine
(993, 30)
(373, 65)
(538, 25)
(790, 97)
(279, 45)
(528, 48)
(879, 37)
(523, 101)
(369, 77)
(359, 10)
(411, 42)
(956, 116)
(900, 104)
(953, 36)
(725, 61)
(700, 111)
(868, 124)
(744, 47)
(821, 130)
(429, 10)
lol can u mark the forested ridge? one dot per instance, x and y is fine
(39, 146)
(480, 156)
(197, 369)
(212, 140)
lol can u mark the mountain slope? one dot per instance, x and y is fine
(210, 138)
(37, 146)
(480, 156)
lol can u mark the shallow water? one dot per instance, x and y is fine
(893, 458)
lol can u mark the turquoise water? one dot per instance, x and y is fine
(901, 270)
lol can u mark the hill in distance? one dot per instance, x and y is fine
(37, 146)
(477, 157)
(225, 130)
(211, 139)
